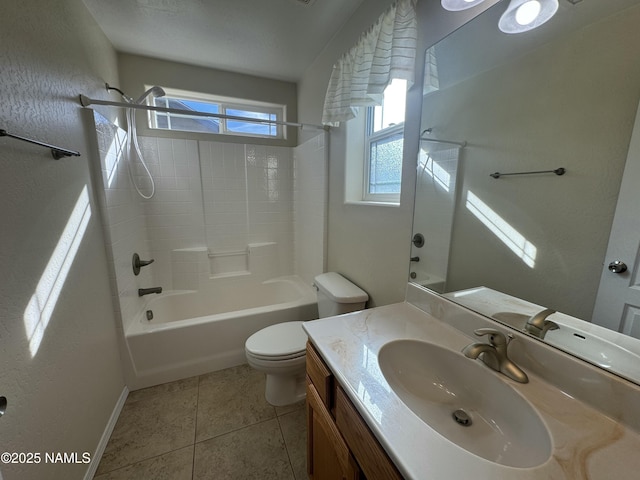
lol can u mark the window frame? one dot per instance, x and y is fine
(224, 104)
(372, 137)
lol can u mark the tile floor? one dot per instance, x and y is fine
(215, 426)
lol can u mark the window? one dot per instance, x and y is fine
(384, 138)
(200, 102)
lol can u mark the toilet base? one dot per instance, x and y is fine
(285, 390)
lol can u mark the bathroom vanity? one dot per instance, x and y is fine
(340, 445)
(386, 387)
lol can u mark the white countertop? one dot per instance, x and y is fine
(585, 442)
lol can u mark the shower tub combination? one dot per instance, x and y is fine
(194, 332)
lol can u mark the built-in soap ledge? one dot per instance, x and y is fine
(255, 259)
(225, 263)
(614, 396)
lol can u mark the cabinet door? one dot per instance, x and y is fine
(320, 376)
(328, 457)
(371, 456)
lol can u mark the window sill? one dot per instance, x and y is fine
(373, 204)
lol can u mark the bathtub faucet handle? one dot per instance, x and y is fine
(138, 264)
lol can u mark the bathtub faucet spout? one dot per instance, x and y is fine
(146, 291)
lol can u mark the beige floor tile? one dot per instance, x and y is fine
(150, 427)
(290, 408)
(176, 386)
(231, 399)
(176, 465)
(256, 452)
(294, 432)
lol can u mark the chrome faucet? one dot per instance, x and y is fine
(494, 354)
(146, 291)
(538, 325)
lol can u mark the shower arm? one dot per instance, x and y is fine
(86, 101)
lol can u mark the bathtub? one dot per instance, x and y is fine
(194, 332)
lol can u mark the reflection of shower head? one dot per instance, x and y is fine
(155, 91)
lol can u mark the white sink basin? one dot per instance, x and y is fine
(435, 382)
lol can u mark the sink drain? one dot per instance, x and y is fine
(462, 417)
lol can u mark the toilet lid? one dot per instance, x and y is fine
(286, 339)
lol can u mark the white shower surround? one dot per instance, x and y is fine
(211, 197)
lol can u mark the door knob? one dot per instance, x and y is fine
(618, 266)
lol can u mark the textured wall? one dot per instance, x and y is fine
(60, 371)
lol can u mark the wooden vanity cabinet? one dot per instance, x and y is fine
(339, 443)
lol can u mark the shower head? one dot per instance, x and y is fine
(155, 91)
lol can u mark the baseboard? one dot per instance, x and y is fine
(102, 445)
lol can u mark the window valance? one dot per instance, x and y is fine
(387, 50)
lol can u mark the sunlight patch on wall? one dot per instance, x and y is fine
(110, 156)
(113, 156)
(44, 299)
(513, 239)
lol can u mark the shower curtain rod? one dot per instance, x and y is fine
(446, 142)
(428, 131)
(86, 101)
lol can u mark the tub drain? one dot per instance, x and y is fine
(149, 314)
(462, 417)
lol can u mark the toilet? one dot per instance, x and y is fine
(279, 350)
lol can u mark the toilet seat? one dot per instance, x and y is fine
(283, 341)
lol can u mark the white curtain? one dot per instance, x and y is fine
(387, 50)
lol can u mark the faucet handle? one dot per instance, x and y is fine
(495, 337)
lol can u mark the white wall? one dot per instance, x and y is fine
(62, 390)
(370, 244)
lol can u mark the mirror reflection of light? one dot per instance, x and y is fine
(513, 239)
(434, 170)
(464, 293)
(528, 12)
(44, 299)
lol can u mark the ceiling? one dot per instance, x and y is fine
(269, 38)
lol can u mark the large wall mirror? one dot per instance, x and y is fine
(562, 96)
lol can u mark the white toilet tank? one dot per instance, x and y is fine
(337, 295)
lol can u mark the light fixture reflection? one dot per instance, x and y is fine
(457, 5)
(524, 15)
(508, 235)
